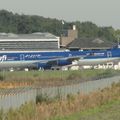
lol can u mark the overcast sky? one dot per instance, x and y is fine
(100, 12)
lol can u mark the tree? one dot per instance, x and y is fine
(16, 23)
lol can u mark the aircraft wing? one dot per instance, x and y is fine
(72, 58)
(54, 61)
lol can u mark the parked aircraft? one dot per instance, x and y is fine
(37, 59)
(95, 57)
(48, 59)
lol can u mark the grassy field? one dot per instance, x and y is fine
(100, 105)
(78, 103)
(55, 77)
(109, 111)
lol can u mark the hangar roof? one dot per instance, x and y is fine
(37, 35)
(34, 41)
(91, 43)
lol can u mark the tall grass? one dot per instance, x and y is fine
(60, 107)
(77, 103)
(25, 112)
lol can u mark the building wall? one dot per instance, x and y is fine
(65, 40)
(34, 41)
(29, 44)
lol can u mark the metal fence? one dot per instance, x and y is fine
(14, 98)
(86, 87)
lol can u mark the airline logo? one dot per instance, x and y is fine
(32, 56)
(3, 58)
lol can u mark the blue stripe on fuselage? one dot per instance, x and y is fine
(38, 55)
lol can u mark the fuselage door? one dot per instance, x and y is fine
(22, 57)
(109, 54)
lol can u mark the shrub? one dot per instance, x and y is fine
(2, 77)
(42, 98)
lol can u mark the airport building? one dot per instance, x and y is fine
(68, 36)
(34, 41)
(70, 40)
(42, 41)
(85, 43)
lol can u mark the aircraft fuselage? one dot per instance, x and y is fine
(47, 59)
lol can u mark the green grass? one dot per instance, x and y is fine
(109, 111)
(57, 74)
(55, 77)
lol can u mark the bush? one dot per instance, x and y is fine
(74, 76)
(42, 98)
(2, 77)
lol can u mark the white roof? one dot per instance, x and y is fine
(28, 37)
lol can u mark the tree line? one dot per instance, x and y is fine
(24, 24)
